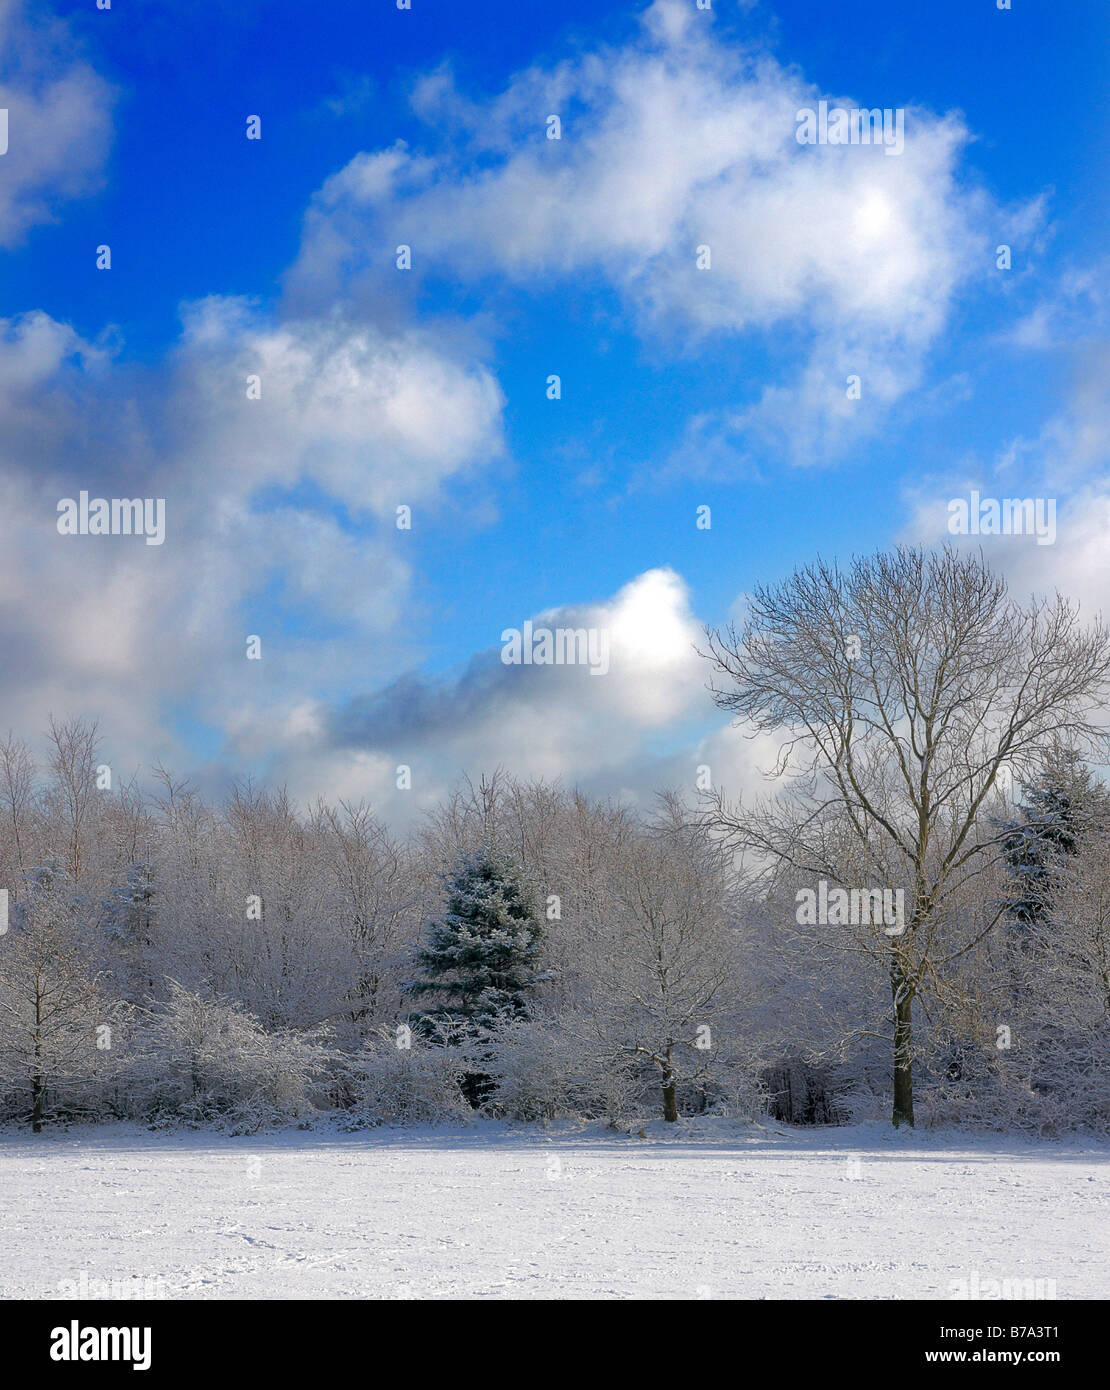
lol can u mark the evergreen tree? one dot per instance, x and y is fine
(481, 957)
(128, 916)
(1061, 807)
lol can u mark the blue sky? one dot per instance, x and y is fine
(681, 387)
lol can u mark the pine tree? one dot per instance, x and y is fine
(1062, 806)
(128, 916)
(481, 956)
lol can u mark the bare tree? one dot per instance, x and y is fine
(1080, 932)
(48, 997)
(901, 689)
(372, 899)
(663, 960)
(17, 789)
(73, 761)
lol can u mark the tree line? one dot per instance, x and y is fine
(532, 952)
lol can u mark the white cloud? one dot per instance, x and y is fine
(374, 419)
(673, 142)
(279, 516)
(534, 721)
(59, 120)
(1068, 463)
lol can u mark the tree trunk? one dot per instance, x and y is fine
(670, 1102)
(38, 1084)
(903, 1045)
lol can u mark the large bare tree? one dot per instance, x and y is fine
(902, 688)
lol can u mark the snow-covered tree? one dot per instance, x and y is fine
(17, 799)
(1063, 803)
(480, 959)
(665, 965)
(898, 738)
(371, 899)
(74, 748)
(49, 999)
(128, 915)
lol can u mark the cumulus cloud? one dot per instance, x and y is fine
(280, 498)
(1067, 464)
(374, 419)
(673, 142)
(554, 721)
(648, 723)
(58, 120)
(279, 516)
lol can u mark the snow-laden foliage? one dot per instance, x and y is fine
(529, 954)
(546, 1067)
(203, 1061)
(1061, 807)
(480, 958)
(417, 1083)
(50, 1004)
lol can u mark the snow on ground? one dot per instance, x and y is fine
(710, 1211)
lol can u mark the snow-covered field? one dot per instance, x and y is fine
(489, 1212)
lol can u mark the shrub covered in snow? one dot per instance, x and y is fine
(543, 1068)
(204, 1061)
(418, 1082)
